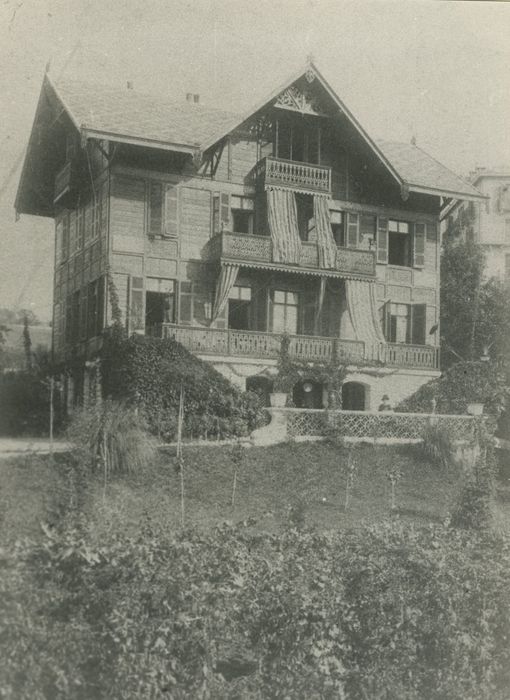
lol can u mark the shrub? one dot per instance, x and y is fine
(148, 372)
(437, 445)
(385, 612)
(463, 383)
(25, 404)
(111, 436)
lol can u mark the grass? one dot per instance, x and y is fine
(270, 482)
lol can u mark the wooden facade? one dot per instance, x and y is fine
(183, 235)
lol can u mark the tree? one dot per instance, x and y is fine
(3, 331)
(27, 344)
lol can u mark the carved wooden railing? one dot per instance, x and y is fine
(258, 344)
(252, 248)
(416, 356)
(215, 341)
(305, 177)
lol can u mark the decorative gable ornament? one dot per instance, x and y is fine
(299, 101)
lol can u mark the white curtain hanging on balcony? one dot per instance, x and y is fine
(283, 224)
(224, 284)
(362, 306)
(325, 242)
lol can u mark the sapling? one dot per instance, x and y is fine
(394, 476)
(237, 457)
(350, 474)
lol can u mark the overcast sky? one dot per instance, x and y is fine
(435, 70)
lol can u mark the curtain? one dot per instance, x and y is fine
(283, 224)
(322, 292)
(362, 306)
(224, 284)
(325, 242)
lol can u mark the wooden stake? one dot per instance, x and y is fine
(52, 387)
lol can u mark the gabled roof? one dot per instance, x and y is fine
(156, 121)
(110, 112)
(423, 173)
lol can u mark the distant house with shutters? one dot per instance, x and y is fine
(486, 223)
(225, 231)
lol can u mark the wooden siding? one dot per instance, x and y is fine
(195, 229)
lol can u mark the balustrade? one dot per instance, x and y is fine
(299, 176)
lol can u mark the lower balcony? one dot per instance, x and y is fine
(261, 345)
(257, 251)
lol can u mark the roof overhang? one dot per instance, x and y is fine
(440, 192)
(90, 133)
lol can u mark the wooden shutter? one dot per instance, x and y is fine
(216, 222)
(386, 319)
(352, 230)
(186, 303)
(419, 245)
(65, 236)
(155, 214)
(136, 317)
(83, 313)
(382, 240)
(225, 211)
(171, 203)
(58, 243)
(418, 323)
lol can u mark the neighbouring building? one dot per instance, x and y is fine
(486, 223)
(224, 231)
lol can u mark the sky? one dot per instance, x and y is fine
(434, 70)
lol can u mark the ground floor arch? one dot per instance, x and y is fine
(354, 396)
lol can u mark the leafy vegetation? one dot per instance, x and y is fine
(387, 612)
(149, 372)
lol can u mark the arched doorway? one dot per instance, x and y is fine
(261, 386)
(308, 394)
(353, 396)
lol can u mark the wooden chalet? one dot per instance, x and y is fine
(224, 231)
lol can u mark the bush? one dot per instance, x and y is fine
(463, 383)
(149, 372)
(25, 404)
(387, 612)
(438, 445)
(112, 437)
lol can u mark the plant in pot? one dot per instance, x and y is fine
(286, 376)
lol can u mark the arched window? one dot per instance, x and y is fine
(308, 394)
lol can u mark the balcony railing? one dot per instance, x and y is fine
(263, 345)
(305, 177)
(242, 247)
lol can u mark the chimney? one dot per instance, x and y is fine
(130, 85)
(189, 97)
(196, 98)
(192, 98)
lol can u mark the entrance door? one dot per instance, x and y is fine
(353, 396)
(307, 394)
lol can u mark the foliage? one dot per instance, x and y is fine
(461, 384)
(25, 403)
(27, 344)
(387, 612)
(437, 444)
(10, 317)
(291, 371)
(475, 313)
(111, 436)
(149, 372)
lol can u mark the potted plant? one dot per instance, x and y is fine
(475, 408)
(285, 378)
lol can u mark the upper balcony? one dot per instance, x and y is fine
(305, 177)
(251, 249)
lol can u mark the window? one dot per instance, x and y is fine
(241, 214)
(298, 140)
(306, 221)
(405, 323)
(159, 301)
(399, 243)
(155, 208)
(239, 308)
(367, 229)
(338, 227)
(95, 304)
(284, 311)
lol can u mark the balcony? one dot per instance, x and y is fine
(304, 177)
(258, 250)
(262, 345)
(65, 184)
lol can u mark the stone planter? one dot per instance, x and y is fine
(475, 409)
(278, 399)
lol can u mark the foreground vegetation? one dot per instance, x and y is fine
(280, 588)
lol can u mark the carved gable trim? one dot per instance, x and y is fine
(299, 101)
